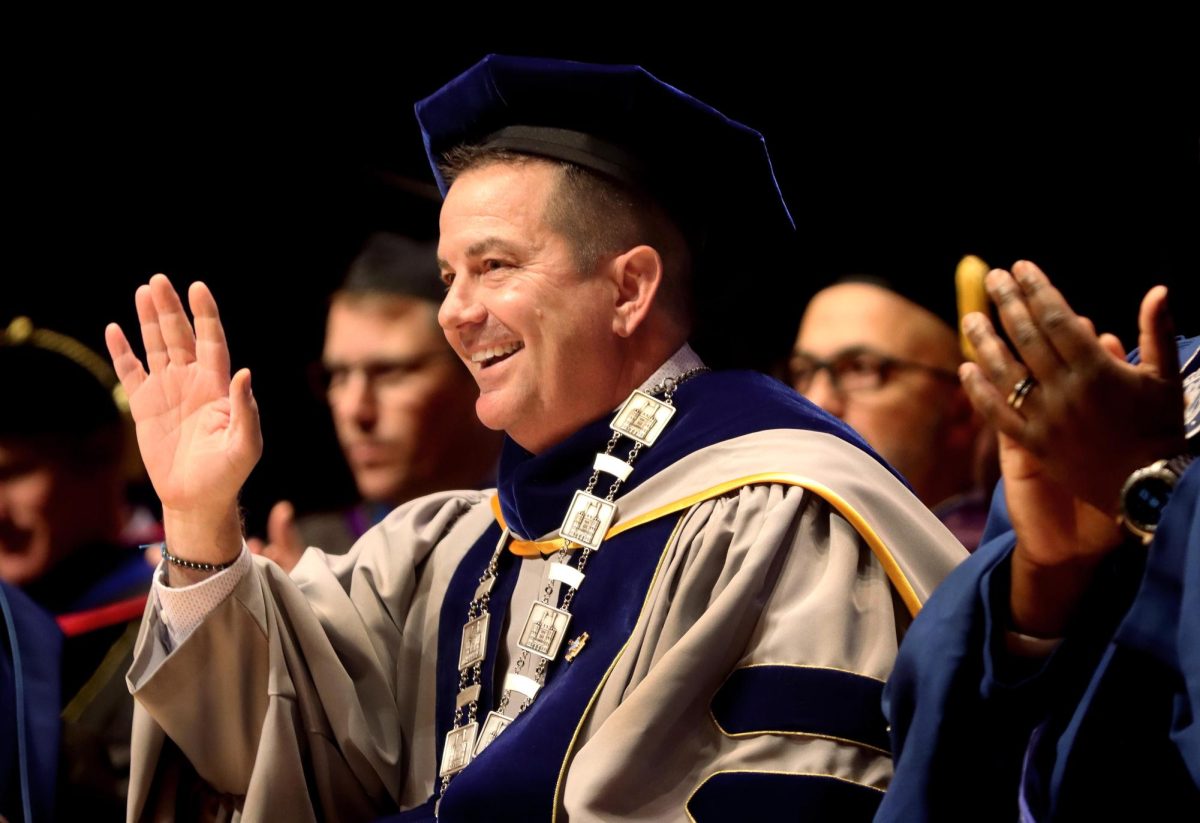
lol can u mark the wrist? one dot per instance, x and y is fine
(1147, 491)
(1044, 596)
(213, 537)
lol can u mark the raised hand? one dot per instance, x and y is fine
(1067, 444)
(198, 430)
(1091, 418)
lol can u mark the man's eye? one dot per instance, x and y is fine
(386, 374)
(447, 278)
(336, 376)
(493, 265)
(802, 368)
(859, 365)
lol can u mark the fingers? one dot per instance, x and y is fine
(1032, 345)
(989, 382)
(167, 334)
(152, 339)
(1156, 334)
(212, 350)
(128, 368)
(997, 362)
(990, 401)
(1072, 339)
(172, 321)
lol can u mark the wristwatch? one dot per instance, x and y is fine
(1147, 491)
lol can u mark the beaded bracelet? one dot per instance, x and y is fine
(189, 564)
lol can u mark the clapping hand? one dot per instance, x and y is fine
(1074, 420)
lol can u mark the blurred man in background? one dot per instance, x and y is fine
(886, 365)
(402, 403)
(69, 543)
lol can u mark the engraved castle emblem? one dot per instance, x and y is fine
(587, 520)
(492, 726)
(639, 421)
(544, 630)
(542, 635)
(459, 745)
(474, 642)
(642, 418)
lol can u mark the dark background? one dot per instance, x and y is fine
(259, 166)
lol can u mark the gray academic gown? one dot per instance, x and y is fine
(772, 618)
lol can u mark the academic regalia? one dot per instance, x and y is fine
(30, 649)
(741, 615)
(741, 612)
(80, 624)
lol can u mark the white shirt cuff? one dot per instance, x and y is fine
(183, 609)
(1026, 645)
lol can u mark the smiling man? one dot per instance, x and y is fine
(688, 587)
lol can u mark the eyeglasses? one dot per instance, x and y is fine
(856, 369)
(329, 380)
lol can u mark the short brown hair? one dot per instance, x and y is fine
(599, 216)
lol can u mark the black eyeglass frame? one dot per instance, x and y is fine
(842, 363)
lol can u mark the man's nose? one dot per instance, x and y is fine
(461, 306)
(825, 394)
(355, 399)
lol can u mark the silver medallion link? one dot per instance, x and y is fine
(641, 418)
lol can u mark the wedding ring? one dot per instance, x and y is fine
(1020, 391)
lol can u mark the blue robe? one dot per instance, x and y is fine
(30, 645)
(1104, 728)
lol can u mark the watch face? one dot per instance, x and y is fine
(1144, 503)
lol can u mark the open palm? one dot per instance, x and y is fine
(198, 431)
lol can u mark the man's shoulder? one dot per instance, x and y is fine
(758, 432)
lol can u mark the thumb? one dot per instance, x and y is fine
(281, 528)
(244, 426)
(1156, 334)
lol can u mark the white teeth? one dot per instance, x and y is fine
(484, 355)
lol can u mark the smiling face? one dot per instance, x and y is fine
(537, 334)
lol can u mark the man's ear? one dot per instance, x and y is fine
(638, 275)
